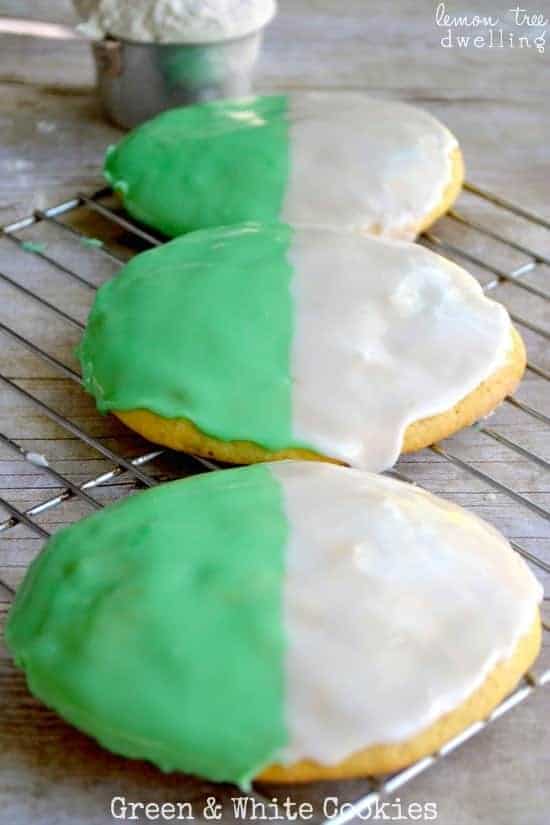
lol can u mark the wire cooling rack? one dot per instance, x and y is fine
(459, 236)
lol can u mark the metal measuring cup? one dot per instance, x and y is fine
(138, 80)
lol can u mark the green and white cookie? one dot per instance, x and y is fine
(269, 339)
(275, 614)
(345, 160)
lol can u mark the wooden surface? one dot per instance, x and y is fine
(52, 140)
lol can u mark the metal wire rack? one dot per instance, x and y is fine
(99, 207)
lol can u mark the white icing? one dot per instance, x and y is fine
(365, 164)
(397, 605)
(37, 459)
(174, 21)
(385, 333)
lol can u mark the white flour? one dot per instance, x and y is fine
(176, 21)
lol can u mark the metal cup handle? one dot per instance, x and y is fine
(108, 56)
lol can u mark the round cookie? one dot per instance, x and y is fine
(280, 622)
(257, 342)
(182, 435)
(376, 167)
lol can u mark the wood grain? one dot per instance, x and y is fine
(53, 139)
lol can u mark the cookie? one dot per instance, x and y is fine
(259, 342)
(288, 621)
(373, 166)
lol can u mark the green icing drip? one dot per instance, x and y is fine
(156, 625)
(200, 328)
(211, 164)
(33, 246)
(94, 243)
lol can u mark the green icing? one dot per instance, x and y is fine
(95, 243)
(33, 246)
(211, 164)
(200, 328)
(156, 624)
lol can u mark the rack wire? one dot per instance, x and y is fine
(98, 206)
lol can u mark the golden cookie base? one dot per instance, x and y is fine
(182, 435)
(380, 759)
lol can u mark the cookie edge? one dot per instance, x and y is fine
(182, 435)
(381, 759)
